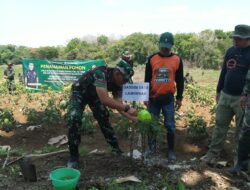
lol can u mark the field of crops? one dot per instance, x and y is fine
(29, 120)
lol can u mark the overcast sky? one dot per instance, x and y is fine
(37, 23)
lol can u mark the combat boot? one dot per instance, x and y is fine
(74, 156)
(210, 157)
(73, 162)
(171, 153)
(115, 149)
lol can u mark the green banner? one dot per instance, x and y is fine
(42, 74)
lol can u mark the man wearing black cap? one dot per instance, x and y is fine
(163, 70)
(229, 90)
(92, 89)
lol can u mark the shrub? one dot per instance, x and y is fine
(197, 127)
(32, 115)
(6, 120)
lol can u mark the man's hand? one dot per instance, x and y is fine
(178, 104)
(243, 100)
(132, 111)
(133, 118)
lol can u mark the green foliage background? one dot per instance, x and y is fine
(204, 50)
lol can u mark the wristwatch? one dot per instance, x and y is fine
(127, 107)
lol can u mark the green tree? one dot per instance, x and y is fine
(140, 45)
(72, 48)
(102, 40)
(7, 53)
(186, 46)
(208, 56)
(48, 53)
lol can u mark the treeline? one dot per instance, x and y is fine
(204, 50)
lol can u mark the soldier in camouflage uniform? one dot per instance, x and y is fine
(92, 89)
(128, 57)
(244, 141)
(9, 74)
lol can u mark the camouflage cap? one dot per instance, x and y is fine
(127, 55)
(125, 68)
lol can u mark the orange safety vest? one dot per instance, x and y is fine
(163, 74)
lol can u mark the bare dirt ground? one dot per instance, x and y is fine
(101, 169)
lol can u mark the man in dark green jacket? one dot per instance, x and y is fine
(9, 74)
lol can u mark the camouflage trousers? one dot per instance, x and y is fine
(244, 147)
(228, 107)
(11, 85)
(244, 142)
(78, 102)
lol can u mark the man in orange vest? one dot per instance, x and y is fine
(164, 72)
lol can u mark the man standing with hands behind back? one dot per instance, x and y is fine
(163, 70)
(9, 74)
(229, 89)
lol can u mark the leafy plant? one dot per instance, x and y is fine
(197, 127)
(29, 97)
(32, 115)
(20, 89)
(114, 186)
(171, 186)
(148, 127)
(83, 150)
(51, 113)
(66, 91)
(63, 105)
(6, 119)
(3, 88)
(87, 127)
(122, 127)
(199, 94)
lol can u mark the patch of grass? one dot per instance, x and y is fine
(3, 152)
(114, 186)
(47, 149)
(17, 151)
(12, 170)
(204, 77)
(83, 150)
